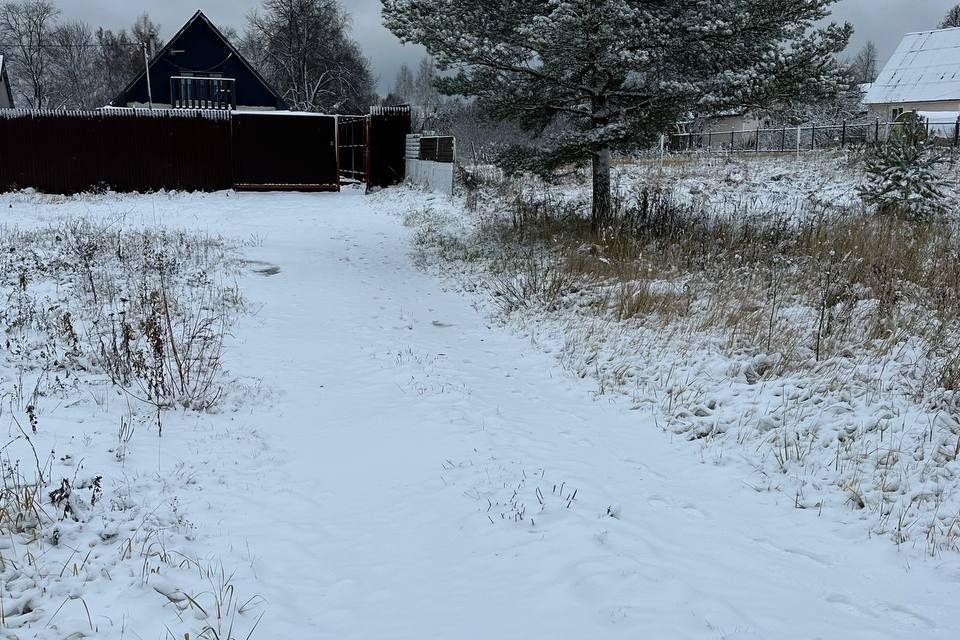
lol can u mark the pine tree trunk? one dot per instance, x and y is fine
(601, 190)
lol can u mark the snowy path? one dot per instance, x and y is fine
(398, 413)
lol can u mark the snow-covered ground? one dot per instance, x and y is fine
(387, 464)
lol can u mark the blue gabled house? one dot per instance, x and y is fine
(200, 69)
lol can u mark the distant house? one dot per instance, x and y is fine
(721, 122)
(6, 95)
(200, 69)
(923, 76)
(733, 120)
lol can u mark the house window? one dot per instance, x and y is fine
(896, 114)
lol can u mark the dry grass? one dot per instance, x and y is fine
(837, 333)
(819, 286)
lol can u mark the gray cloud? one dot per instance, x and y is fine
(883, 21)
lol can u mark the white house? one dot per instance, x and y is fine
(923, 76)
(6, 96)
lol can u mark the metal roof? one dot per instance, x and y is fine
(924, 68)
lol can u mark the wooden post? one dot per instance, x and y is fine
(756, 142)
(813, 137)
(843, 136)
(733, 138)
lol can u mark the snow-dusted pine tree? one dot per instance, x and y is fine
(616, 73)
(901, 175)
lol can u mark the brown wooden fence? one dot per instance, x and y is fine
(141, 150)
(71, 152)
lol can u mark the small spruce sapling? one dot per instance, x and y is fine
(901, 175)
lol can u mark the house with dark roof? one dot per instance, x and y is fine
(6, 95)
(200, 69)
(923, 76)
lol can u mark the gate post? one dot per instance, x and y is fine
(336, 146)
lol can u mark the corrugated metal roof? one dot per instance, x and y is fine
(924, 68)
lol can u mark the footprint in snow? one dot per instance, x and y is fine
(441, 325)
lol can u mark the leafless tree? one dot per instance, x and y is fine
(26, 28)
(303, 47)
(404, 87)
(74, 67)
(426, 95)
(864, 66)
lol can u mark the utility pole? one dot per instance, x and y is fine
(146, 65)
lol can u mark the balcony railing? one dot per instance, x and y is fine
(203, 93)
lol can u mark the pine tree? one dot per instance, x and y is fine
(952, 19)
(616, 73)
(902, 177)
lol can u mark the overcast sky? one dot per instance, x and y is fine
(882, 21)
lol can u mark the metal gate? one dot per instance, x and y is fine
(371, 148)
(352, 136)
(276, 151)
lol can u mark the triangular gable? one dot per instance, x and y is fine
(174, 58)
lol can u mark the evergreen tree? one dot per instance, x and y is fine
(901, 176)
(952, 19)
(617, 73)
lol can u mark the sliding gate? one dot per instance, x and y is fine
(282, 151)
